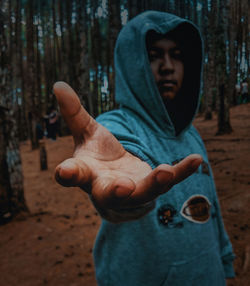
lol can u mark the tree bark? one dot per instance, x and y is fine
(31, 76)
(209, 69)
(224, 125)
(132, 8)
(12, 199)
(114, 29)
(232, 33)
(83, 57)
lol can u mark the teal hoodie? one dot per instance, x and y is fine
(182, 241)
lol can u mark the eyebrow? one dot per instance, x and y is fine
(158, 49)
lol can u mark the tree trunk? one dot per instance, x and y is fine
(31, 77)
(83, 58)
(224, 125)
(132, 8)
(63, 71)
(232, 53)
(95, 60)
(70, 44)
(114, 28)
(245, 36)
(248, 38)
(11, 181)
(12, 200)
(38, 75)
(5, 189)
(209, 88)
(19, 74)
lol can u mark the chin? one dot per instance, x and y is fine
(168, 96)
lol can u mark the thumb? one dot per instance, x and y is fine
(77, 118)
(74, 173)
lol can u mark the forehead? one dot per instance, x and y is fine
(164, 44)
(154, 39)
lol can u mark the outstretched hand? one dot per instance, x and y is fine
(100, 165)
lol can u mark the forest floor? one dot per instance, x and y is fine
(52, 245)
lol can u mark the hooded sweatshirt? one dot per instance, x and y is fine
(182, 241)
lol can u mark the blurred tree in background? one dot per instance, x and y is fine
(11, 180)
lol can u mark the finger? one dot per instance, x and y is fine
(74, 173)
(111, 193)
(156, 183)
(186, 167)
(124, 193)
(161, 180)
(77, 118)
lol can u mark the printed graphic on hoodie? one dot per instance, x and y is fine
(196, 209)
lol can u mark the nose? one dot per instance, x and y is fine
(167, 65)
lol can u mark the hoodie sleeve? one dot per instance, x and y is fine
(226, 249)
(225, 246)
(118, 124)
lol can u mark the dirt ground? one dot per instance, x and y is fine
(52, 245)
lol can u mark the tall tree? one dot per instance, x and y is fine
(224, 125)
(19, 73)
(11, 181)
(132, 8)
(245, 36)
(232, 35)
(31, 75)
(209, 80)
(113, 30)
(12, 200)
(82, 62)
(70, 43)
(63, 56)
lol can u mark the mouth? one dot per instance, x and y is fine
(167, 83)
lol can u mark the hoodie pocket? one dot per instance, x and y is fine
(205, 270)
(171, 276)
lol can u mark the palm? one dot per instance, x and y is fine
(107, 162)
(100, 165)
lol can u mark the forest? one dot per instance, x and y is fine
(44, 41)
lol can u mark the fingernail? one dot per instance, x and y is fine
(163, 177)
(122, 192)
(196, 163)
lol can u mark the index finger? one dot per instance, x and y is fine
(186, 167)
(77, 118)
(161, 180)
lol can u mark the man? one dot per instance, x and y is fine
(161, 218)
(237, 94)
(244, 91)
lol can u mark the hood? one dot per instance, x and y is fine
(135, 86)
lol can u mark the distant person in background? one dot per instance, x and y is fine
(237, 99)
(46, 122)
(51, 121)
(39, 131)
(244, 91)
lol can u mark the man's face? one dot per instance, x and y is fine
(167, 66)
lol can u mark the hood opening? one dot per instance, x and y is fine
(183, 107)
(136, 89)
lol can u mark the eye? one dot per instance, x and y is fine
(154, 54)
(177, 54)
